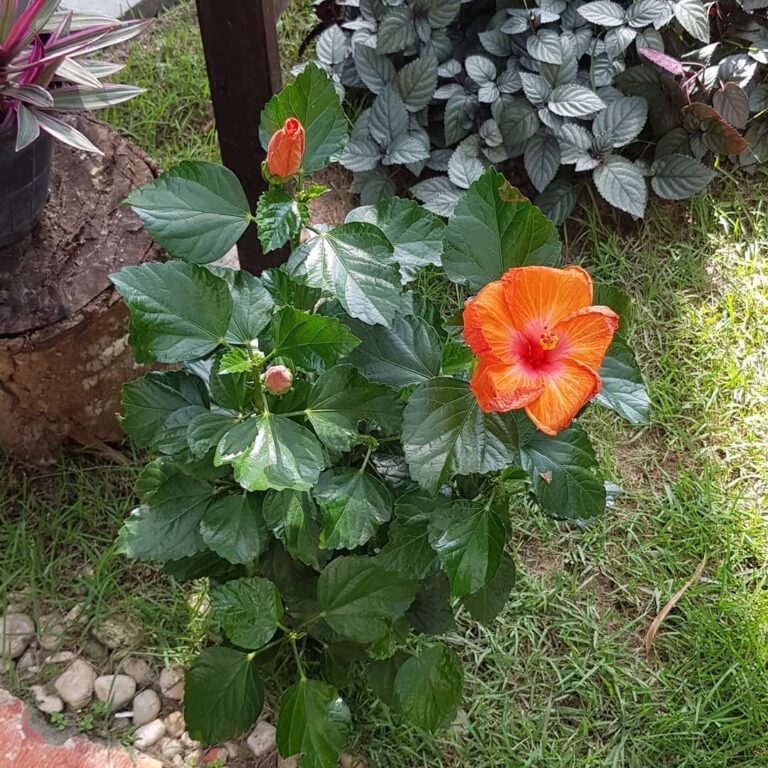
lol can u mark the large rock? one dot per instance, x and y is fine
(123, 631)
(146, 707)
(262, 740)
(46, 702)
(148, 735)
(139, 670)
(16, 633)
(172, 683)
(117, 689)
(75, 684)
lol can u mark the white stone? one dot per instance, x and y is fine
(121, 631)
(51, 632)
(16, 633)
(61, 657)
(75, 684)
(145, 761)
(169, 748)
(117, 689)
(172, 683)
(262, 740)
(146, 707)
(149, 734)
(178, 761)
(139, 670)
(75, 616)
(188, 741)
(288, 762)
(175, 725)
(46, 702)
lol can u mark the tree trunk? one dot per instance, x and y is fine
(63, 329)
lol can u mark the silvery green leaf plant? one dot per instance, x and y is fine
(617, 94)
(315, 450)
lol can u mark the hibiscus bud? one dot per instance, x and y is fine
(286, 150)
(278, 379)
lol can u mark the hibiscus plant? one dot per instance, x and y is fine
(340, 454)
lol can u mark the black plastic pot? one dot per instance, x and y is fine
(24, 179)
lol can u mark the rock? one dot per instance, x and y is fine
(116, 689)
(95, 651)
(139, 670)
(234, 749)
(149, 734)
(146, 707)
(75, 616)
(216, 754)
(75, 684)
(288, 762)
(262, 740)
(122, 631)
(61, 657)
(51, 632)
(175, 725)
(172, 682)
(192, 759)
(177, 761)
(145, 761)
(16, 633)
(188, 741)
(170, 748)
(346, 760)
(27, 666)
(46, 702)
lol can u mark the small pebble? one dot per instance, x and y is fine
(170, 748)
(75, 616)
(188, 741)
(172, 683)
(175, 725)
(51, 632)
(288, 762)
(16, 633)
(75, 684)
(262, 740)
(148, 735)
(116, 689)
(46, 702)
(62, 657)
(139, 670)
(146, 707)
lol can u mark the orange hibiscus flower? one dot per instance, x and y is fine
(540, 344)
(286, 150)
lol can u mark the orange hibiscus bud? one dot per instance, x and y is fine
(286, 150)
(278, 379)
(540, 344)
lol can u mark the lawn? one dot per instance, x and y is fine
(563, 678)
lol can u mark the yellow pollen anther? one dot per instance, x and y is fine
(548, 340)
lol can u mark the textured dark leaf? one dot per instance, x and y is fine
(223, 696)
(431, 612)
(623, 389)
(487, 603)
(732, 103)
(278, 219)
(294, 519)
(234, 528)
(248, 610)
(677, 177)
(622, 185)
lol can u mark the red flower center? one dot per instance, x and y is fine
(292, 125)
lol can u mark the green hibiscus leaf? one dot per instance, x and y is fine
(469, 539)
(294, 519)
(431, 612)
(252, 305)
(196, 211)
(173, 437)
(408, 352)
(248, 610)
(565, 475)
(408, 550)
(312, 342)
(342, 400)
(429, 686)
(206, 430)
(312, 99)
(150, 400)
(234, 528)
(278, 219)
(487, 603)
(223, 696)
(354, 504)
(445, 434)
(495, 227)
(167, 526)
(233, 391)
(271, 451)
(179, 311)
(286, 291)
(416, 233)
(355, 263)
(314, 721)
(381, 677)
(360, 600)
(623, 389)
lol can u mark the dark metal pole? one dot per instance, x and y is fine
(243, 61)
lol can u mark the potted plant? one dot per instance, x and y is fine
(46, 68)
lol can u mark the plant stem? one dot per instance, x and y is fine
(293, 637)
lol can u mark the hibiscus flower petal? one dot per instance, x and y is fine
(503, 339)
(500, 388)
(473, 333)
(565, 394)
(539, 297)
(586, 335)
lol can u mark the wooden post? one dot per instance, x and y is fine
(243, 61)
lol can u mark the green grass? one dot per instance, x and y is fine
(173, 120)
(562, 679)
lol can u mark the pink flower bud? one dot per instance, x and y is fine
(278, 379)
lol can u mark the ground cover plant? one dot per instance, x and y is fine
(332, 454)
(613, 94)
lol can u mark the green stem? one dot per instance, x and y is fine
(365, 460)
(293, 637)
